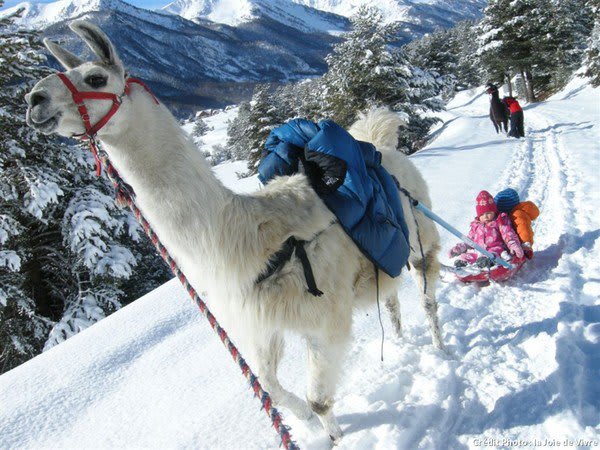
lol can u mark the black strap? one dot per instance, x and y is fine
(307, 268)
(277, 261)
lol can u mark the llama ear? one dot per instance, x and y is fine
(65, 57)
(95, 38)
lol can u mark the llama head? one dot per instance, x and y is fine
(51, 108)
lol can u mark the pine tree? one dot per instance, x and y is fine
(494, 48)
(22, 326)
(568, 25)
(67, 254)
(200, 128)
(362, 69)
(468, 70)
(365, 71)
(237, 139)
(301, 99)
(592, 53)
(438, 53)
(539, 40)
(262, 119)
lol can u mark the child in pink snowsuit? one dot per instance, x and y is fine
(492, 231)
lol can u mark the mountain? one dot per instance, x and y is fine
(238, 12)
(419, 16)
(209, 53)
(190, 64)
(403, 10)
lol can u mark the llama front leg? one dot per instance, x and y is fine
(269, 352)
(392, 304)
(426, 282)
(324, 366)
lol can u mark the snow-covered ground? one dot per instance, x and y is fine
(524, 362)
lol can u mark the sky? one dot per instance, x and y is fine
(148, 4)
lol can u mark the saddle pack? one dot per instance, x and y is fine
(348, 176)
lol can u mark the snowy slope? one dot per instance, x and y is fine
(524, 358)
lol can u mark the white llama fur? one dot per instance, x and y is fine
(222, 241)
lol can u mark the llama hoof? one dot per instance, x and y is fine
(335, 440)
(334, 431)
(440, 346)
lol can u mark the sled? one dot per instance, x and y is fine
(474, 274)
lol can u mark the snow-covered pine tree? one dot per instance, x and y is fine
(468, 71)
(301, 99)
(540, 40)
(451, 54)
(592, 53)
(66, 250)
(200, 128)
(439, 54)
(420, 96)
(262, 119)
(23, 192)
(494, 47)
(237, 140)
(362, 69)
(310, 99)
(568, 25)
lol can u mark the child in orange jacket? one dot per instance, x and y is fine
(521, 215)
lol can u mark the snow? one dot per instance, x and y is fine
(230, 12)
(524, 358)
(236, 12)
(38, 15)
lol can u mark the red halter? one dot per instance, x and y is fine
(79, 98)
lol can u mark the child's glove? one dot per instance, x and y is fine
(458, 249)
(517, 251)
(527, 250)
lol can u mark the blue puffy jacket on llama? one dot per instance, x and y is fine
(348, 176)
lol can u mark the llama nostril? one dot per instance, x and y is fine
(37, 98)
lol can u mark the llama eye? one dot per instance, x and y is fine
(96, 81)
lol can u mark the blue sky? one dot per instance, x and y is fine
(148, 4)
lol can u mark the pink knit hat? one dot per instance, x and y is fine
(485, 203)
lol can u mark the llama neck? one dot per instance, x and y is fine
(165, 169)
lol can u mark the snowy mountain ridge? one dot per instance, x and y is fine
(192, 61)
(524, 358)
(41, 15)
(393, 10)
(236, 12)
(189, 65)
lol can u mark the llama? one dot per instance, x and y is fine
(222, 241)
(498, 112)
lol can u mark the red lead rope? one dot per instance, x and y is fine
(126, 195)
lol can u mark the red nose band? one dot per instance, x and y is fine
(79, 98)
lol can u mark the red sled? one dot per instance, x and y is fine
(472, 274)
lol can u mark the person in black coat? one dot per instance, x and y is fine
(517, 126)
